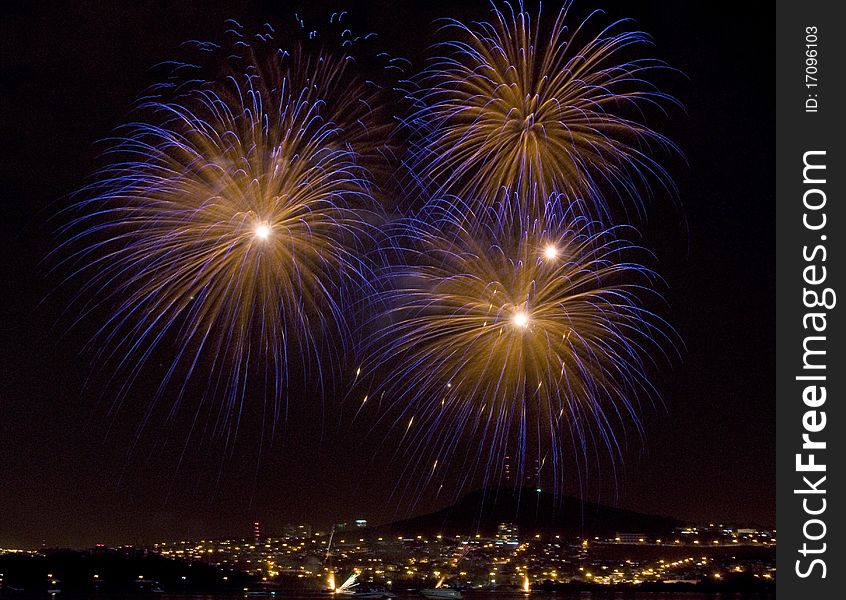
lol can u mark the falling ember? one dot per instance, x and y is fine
(526, 584)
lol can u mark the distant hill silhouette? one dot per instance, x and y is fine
(533, 512)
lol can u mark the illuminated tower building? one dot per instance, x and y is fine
(508, 534)
(532, 475)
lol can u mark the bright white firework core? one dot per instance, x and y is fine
(550, 252)
(521, 319)
(262, 231)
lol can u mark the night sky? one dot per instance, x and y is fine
(73, 473)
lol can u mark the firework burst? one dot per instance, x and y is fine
(510, 105)
(514, 332)
(227, 229)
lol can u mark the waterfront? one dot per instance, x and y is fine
(468, 595)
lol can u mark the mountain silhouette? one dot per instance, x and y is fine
(533, 511)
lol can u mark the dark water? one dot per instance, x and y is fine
(468, 595)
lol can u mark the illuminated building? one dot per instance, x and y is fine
(507, 533)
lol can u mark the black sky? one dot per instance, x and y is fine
(72, 474)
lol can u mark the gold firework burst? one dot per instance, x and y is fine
(508, 106)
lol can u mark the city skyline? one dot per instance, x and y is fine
(507, 558)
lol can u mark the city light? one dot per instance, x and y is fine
(448, 562)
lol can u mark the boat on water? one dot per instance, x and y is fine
(348, 588)
(441, 593)
(350, 591)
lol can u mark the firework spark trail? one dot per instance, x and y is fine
(506, 105)
(230, 223)
(513, 331)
